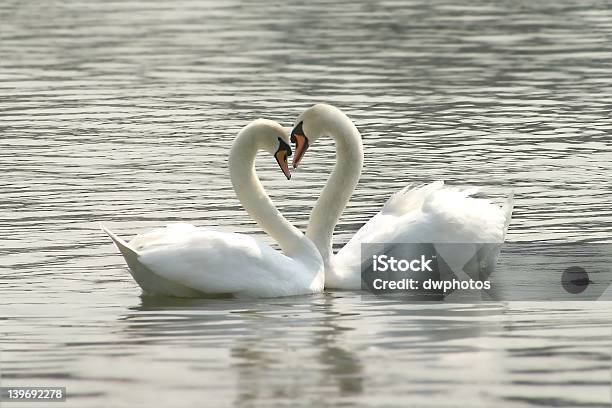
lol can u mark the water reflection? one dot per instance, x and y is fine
(274, 356)
(344, 346)
(342, 366)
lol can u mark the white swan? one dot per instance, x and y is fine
(186, 261)
(431, 213)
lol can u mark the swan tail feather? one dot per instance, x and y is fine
(150, 282)
(128, 253)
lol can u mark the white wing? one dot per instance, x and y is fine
(183, 260)
(431, 213)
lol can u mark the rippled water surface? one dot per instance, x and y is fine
(122, 113)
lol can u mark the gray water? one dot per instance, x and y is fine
(122, 113)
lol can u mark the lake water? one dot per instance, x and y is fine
(122, 112)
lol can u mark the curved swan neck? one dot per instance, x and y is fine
(254, 199)
(341, 183)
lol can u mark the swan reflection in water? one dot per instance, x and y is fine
(286, 348)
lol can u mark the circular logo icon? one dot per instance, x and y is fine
(575, 280)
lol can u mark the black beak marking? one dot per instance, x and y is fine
(282, 145)
(297, 130)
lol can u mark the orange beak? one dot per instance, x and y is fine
(301, 145)
(281, 159)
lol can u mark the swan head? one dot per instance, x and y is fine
(271, 137)
(312, 124)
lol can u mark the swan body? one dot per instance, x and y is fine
(432, 213)
(187, 261)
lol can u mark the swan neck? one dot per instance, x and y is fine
(255, 200)
(340, 185)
